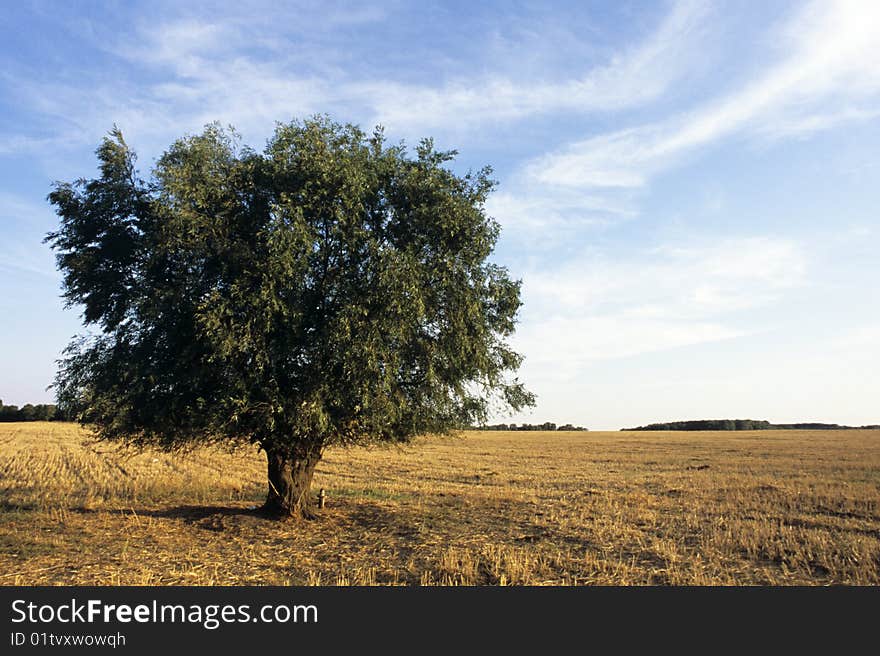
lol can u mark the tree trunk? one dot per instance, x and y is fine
(290, 480)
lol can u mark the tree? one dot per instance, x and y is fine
(9, 413)
(28, 412)
(330, 290)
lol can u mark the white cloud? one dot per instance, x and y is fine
(558, 348)
(829, 74)
(240, 70)
(547, 220)
(696, 281)
(783, 127)
(632, 78)
(24, 224)
(598, 308)
(183, 45)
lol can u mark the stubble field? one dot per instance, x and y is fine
(488, 508)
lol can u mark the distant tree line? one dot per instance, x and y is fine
(32, 412)
(739, 424)
(546, 426)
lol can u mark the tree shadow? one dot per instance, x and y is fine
(515, 524)
(203, 515)
(195, 513)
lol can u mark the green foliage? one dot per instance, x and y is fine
(9, 413)
(571, 427)
(30, 412)
(546, 426)
(332, 289)
(737, 424)
(708, 424)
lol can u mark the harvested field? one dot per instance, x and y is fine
(488, 508)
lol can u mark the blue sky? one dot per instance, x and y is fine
(688, 190)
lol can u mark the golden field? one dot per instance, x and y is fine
(487, 508)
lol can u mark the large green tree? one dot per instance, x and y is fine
(332, 289)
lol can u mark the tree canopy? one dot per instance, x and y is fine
(332, 289)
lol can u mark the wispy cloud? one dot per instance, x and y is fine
(208, 57)
(242, 71)
(631, 78)
(596, 308)
(547, 218)
(827, 74)
(558, 348)
(694, 280)
(184, 45)
(23, 224)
